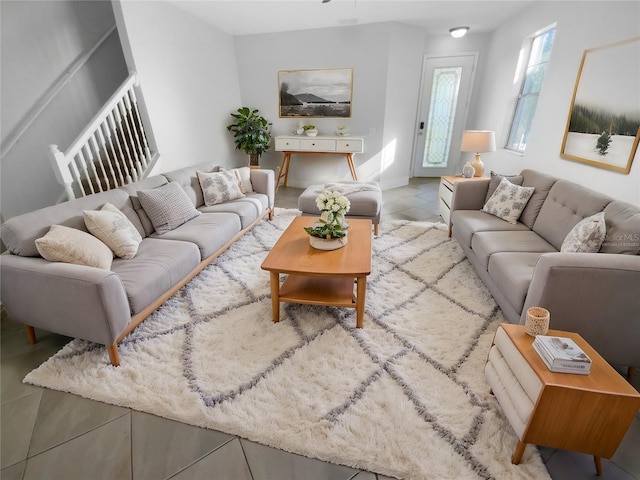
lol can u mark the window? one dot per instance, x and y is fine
(536, 67)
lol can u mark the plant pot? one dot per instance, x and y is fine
(311, 133)
(254, 159)
(331, 244)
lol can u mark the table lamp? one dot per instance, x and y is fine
(478, 141)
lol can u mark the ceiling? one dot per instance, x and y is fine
(246, 17)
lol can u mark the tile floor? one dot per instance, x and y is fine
(52, 435)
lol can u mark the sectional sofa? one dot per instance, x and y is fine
(103, 305)
(524, 263)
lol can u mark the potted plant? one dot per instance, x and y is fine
(330, 231)
(251, 133)
(310, 130)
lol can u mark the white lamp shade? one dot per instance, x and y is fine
(478, 141)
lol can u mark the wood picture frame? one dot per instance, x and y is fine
(603, 125)
(321, 93)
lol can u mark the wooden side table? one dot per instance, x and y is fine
(584, 413)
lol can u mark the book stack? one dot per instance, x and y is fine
(561, 354)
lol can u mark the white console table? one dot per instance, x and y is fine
(300, 144)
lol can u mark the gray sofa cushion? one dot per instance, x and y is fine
(209, 231)
(132, 190)
(567, 204)
(248, 208)
(542, 184)
(485, 244)
(167, 207)
(513, 272)
(623, 228)
(20, 233)
(159, 265)
(468, 222)
(188, 180)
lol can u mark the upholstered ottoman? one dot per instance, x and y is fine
(365, 198)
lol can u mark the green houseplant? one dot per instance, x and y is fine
(251, 133)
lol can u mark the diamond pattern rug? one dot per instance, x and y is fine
(405, 396)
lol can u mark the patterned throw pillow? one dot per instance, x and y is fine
(167, 206)
(114, 228)
(219, 187)
(508, 201)
(70, 245)
(587, 236)
(496, 178)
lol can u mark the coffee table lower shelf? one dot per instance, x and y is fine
(332, 291)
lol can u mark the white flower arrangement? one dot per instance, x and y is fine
(333, 207)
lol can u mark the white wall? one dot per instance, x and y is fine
(40, 41)
(363, 48)
(580, 26)
(188, 78)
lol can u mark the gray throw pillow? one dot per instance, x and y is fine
(496, 178)
(167, 206)
(508, 201)
(586, 236)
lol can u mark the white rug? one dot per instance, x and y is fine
(405, 396)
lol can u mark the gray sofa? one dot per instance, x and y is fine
(103, 306)
(594, 294)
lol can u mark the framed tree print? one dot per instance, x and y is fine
(603, 128)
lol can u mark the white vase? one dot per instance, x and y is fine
(331, 244)
(468, 171)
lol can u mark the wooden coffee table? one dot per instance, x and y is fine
(320, 277)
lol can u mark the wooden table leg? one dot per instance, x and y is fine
(352, 167)
(598, 462)
(284, 169)
(275, 296)
(361, 283)
(517, 454)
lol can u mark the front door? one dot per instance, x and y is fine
(445, 93)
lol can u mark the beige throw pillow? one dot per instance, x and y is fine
(586, 236)
(508, 201)
(167, 206)
(70, 245)
(219, 187)
(114, 228)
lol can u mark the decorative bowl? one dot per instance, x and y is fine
(311, 133)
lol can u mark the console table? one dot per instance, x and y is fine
(584, 413)
(300, 144)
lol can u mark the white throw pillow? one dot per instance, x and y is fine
(167, 206)
(114, 228)
(508, 201)
(587, 235)
(219, 187)
(70, 245)
(243, 175)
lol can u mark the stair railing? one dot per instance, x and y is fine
(113, 149)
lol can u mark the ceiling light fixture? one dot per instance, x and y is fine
(458, 32)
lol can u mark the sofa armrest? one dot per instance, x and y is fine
(72, 300)
(594, 294)
(263, 181)
(469, 195)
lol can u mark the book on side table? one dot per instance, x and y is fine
(561, 354)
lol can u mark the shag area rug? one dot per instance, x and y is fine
(404, 396)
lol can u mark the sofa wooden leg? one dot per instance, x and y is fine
(31, 334)
(271, 214)
(375, 229)
(630, 372)
(114, 357)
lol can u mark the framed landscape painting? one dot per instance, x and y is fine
(315, 93)
(603, 128)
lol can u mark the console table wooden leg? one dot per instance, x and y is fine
(352, 167)
(517, 454)
(361, 283)
(275, 296)
(284, 169)
(31, 334)
(598, 462)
